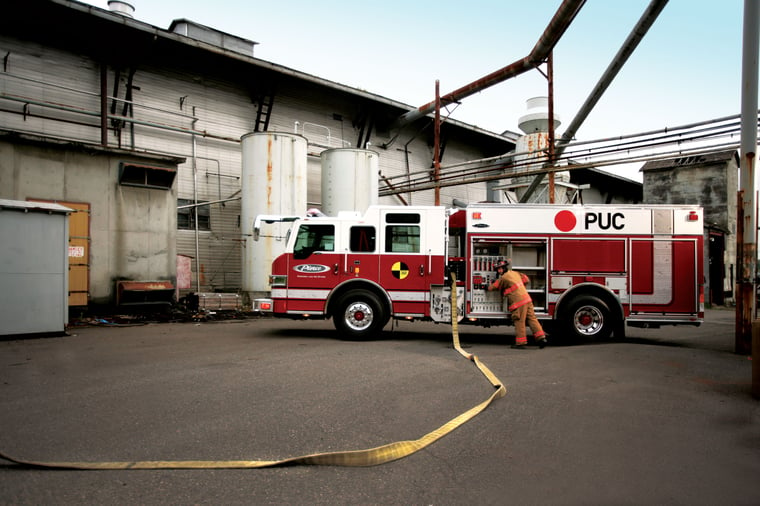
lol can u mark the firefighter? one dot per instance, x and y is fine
(512, 286)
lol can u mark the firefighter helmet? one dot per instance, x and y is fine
(501, 264)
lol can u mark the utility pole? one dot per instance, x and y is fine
(746, 232)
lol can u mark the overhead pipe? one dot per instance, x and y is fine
(646, 21)
(553, 32)
(590, 165)
(626, 50)
(726, 127)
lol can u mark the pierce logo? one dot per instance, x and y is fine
(311, 268)
(565, 221)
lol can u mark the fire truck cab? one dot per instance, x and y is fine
(592, 269)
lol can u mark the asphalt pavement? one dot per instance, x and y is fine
(665, 416)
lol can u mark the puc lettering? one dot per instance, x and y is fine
(605, 221)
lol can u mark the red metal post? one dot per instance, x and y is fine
(550, 79)
(437, 144)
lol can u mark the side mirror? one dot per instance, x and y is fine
(256, 228)
(268, 219)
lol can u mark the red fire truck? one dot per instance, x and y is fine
(592, 268)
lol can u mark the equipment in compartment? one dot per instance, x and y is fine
(483, 274)
(526, 257)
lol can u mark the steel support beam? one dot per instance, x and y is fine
(551, 35)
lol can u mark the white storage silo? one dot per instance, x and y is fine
(349, 180)
(274, 182)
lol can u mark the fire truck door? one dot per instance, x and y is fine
(315, 267)
(361, 260)
(406, 264)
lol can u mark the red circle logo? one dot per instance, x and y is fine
(565, 221)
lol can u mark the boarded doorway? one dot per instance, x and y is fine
(717, 268)
(79, 251)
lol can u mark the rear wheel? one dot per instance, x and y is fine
(359, 314)
(588, 317)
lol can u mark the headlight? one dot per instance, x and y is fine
(278, 280)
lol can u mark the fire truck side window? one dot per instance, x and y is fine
(402, 218)
(402, 239)
(363, 239)
(313, 238)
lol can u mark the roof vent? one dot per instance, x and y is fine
(212, 36)
(123, 8)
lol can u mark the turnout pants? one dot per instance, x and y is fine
(521, 316)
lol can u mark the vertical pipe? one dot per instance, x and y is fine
(195, 209)
(746, 228)
(550, 79)
(103, 104)
(437, 144)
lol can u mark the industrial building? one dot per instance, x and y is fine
(140, 131)
(128, 131)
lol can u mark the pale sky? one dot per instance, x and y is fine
(686, 69)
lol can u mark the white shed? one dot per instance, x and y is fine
(34, 269)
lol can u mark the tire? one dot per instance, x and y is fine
(588, 317)
(359, 315)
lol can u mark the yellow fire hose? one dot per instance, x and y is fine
(356, 458)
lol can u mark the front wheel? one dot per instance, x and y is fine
(588, 317)
(359, 314)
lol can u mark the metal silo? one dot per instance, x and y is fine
(349, 180)
(274, 182)
(532, 149)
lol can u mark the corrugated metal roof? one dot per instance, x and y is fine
(157, 32)
(42, 207)
(721, 156)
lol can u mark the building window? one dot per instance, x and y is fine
(186, 215)
(145, 176)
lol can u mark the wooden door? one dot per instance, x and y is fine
(79, 251)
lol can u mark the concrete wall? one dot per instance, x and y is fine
(132, 230)
(713, 186)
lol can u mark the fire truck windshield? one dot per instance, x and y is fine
(311, 238)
